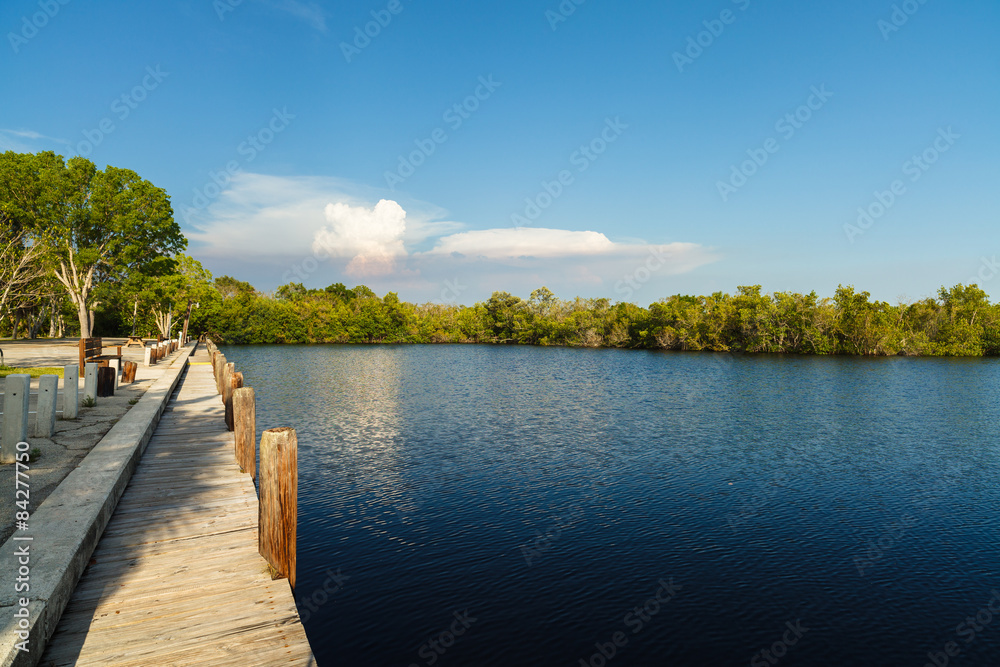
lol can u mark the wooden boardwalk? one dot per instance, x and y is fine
(176, 578)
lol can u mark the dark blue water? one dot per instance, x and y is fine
(537, 506)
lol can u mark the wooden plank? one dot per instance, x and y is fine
(177, 578)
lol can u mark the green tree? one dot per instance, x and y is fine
(101, 226)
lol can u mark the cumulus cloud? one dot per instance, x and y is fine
(271, 230)
(371, 237)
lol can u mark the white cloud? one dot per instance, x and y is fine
(271, 230)
(372, 237)
(511, 243)
(19, 141)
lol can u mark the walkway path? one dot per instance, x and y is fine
(176, 578)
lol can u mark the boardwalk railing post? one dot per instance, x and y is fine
(278, 507)
(15, 415)
(71, 391)
(235, 382)
(148, 358)
(45, 413)
(224, 382)
(245, 427)
(90, 382)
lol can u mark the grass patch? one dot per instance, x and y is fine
(32, 371)
(34, 455)
(88, 402)
(133, 401)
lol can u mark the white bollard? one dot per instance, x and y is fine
(117, 365)
(45, 413)
(148, 359)
(90, 382)
(15, 415)
(71, 391)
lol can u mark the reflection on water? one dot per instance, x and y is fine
(547, 492)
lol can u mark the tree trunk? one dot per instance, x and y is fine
(17, 323)
(84, 315)
(91, 320)
(187, 318)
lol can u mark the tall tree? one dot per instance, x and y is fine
(108, 225)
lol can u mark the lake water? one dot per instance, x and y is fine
(527, 506)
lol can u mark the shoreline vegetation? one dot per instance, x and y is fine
(960, 322)
(88, 252)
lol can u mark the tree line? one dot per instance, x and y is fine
(97, 252)
(959, 322)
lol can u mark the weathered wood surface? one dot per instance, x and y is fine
(245, 425)
(279, 499)
(235, 382)
(176, 578)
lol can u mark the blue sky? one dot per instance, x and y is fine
(312, 121)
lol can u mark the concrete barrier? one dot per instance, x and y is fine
(71, 391)
(17, 390)
(90, 382)
(67, 526)
(45, 413)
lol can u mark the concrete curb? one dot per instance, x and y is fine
(66, 528)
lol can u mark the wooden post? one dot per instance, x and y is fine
(105, 381)
(227, 372)
(218, 361)
(235, 382)
(278, 507)
(245, 427)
